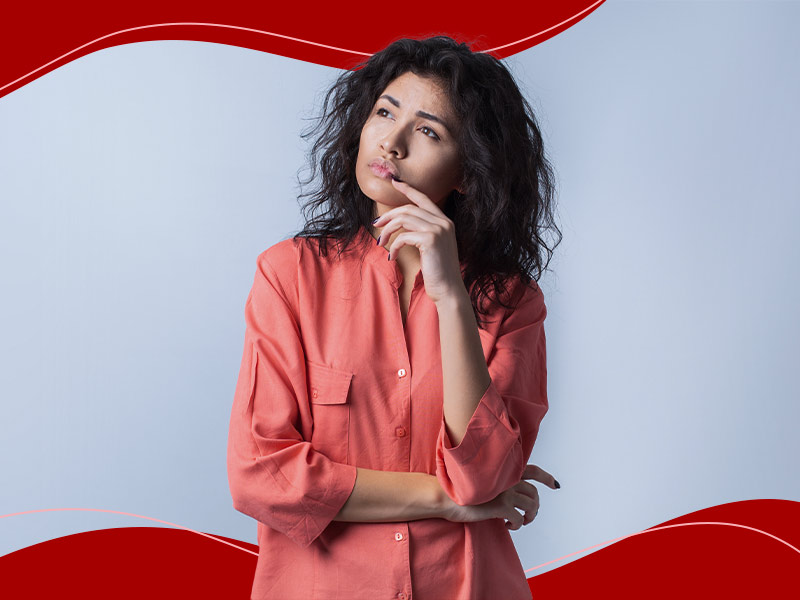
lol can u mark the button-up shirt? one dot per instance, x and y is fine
(331, 379)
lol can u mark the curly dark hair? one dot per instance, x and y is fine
(506, 210)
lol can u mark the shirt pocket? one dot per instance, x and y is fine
(329, 397)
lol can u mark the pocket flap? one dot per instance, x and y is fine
(327, 385)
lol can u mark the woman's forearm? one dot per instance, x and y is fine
(465, 376)
(389, 496)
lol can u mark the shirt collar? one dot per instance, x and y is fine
(377, 257)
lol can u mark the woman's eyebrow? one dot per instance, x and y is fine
(419, 113)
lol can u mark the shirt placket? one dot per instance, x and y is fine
(402, 432)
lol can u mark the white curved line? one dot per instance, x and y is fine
(287, 37)
(526, 570)
(117, 512)
(530, 37)
(667, 527)
(169, 25)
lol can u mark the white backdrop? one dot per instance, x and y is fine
(139, 183)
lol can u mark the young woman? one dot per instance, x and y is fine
(391, 392)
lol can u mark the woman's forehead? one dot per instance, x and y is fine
(418, 89)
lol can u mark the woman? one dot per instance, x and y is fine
(381, 457)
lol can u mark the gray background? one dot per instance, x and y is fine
(139, 183)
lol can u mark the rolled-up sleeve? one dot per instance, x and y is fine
(275, 476)
(500, 436)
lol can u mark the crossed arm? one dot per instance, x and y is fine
(384, 496)
(388, 496)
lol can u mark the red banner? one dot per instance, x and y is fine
(36, 38)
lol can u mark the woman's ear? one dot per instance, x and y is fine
(462, 185)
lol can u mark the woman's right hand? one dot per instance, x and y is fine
(521, 495)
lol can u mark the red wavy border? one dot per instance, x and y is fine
(745, 549)
(36, 40)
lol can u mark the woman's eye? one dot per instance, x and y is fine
(382, 112)
(434, 136)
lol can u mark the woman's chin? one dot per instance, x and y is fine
(384, 196)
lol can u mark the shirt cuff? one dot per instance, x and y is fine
(319, 514)
(487, 457)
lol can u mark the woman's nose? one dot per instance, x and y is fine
(393, 143)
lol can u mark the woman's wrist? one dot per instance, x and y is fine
(455, 300)
(442, 503)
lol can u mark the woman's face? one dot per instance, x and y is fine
(412, 132)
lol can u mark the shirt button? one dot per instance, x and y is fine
(401, 373)
(401, 596)
(398, 536)
(314, 393)
(400, 432)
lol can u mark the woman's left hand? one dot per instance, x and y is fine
(521, 495)
(429, 229)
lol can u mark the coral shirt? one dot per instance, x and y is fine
(331, 379)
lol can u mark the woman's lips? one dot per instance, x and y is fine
(383, 173)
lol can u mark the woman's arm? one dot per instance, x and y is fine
(389, 496)
(484, 441)
(465, 375)
(386, 496)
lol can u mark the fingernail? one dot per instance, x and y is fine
(375, 221)
(389, 256)
(379, 240)
(558, 485)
